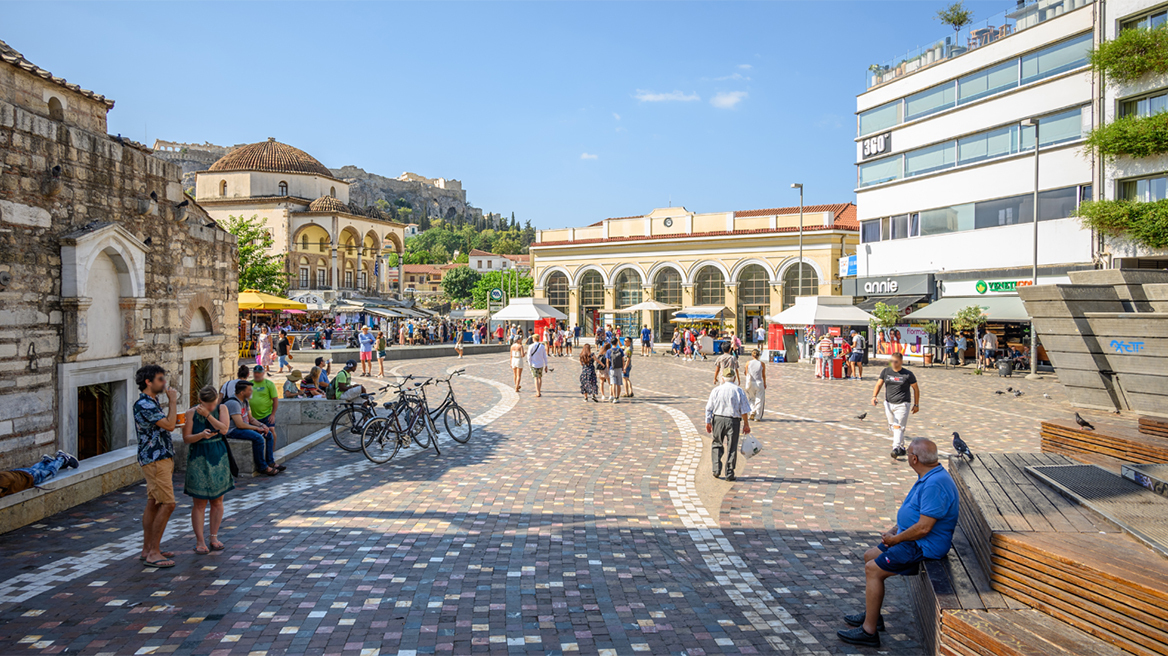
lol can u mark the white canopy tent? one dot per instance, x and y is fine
(649, 305)
(528, 309)
(822, 311)
(468, 314)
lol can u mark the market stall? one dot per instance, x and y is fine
(824, 315)
(255, 305)
(1005, 316)
(533, 311)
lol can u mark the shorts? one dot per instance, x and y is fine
(856, 356)
(381, 355)
(646, 342)
(283, 361)
(903, 558)
(627, 376)
(160, 480)
(367, 356)
(537, 372)
(616, 376)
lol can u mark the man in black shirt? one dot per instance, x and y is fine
(328, 337)
(902, 397)
(282, 352)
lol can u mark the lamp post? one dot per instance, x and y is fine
(799, 186)
(1033, 375)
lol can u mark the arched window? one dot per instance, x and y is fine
(222, 187)
(754, 300)
(710, 287)
(283, 188)
(304, 243)
(56, 110)
(627, 291)
(324, 244)
(591, 301)
(557, 291)
(333, 192)
(666, 289)
(791, 287)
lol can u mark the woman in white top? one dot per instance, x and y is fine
(517, 361)
(756, 385)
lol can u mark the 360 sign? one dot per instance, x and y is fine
(876, 146)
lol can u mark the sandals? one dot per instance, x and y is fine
(202, 550)
(165, 554)
(160, 564)
(216, 545)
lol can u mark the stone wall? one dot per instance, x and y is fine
(367, 188)
(104, 266)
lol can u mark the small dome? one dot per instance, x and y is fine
(272, 156)
(327, 204)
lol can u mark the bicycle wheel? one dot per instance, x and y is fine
(379, 441)
(416, 417)
(347, 427)
(431, 431)
(457, 423)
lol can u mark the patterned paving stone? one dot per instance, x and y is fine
(562, 527)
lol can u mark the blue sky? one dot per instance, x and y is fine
(564, 113)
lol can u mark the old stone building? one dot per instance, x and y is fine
(105, 265)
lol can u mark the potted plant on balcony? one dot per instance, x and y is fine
(957, 17)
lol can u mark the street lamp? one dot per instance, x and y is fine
(799, 186)
(1033, 375)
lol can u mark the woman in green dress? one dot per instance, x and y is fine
(208, 475)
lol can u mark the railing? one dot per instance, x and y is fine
(981, 33)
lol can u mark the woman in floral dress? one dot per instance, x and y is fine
(208, 475)
(587, 374)
(265, 348)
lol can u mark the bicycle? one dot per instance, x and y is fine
(384, 436)
(455, 419)
(350, 420)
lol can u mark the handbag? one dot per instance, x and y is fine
(231, 464)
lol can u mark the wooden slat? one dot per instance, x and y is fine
(1003, 473)
(1019, 633)
(1115, 558)
(1080, 519)
(976, 576)
(1063, 637)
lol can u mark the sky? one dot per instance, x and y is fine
(564, 113)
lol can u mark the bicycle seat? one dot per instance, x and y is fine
(366, 396)
(387, 405)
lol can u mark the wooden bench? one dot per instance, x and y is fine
(1111, 444)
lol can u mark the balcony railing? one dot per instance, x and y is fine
(980, 34)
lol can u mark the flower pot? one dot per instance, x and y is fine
(928, 359)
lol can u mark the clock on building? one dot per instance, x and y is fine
(668, 223)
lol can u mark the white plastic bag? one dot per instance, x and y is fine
(749, 446)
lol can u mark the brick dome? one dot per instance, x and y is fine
(270, 155)
(327, 204)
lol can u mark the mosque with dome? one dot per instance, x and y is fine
(327, 247)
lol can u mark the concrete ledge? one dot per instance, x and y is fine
(303, 359)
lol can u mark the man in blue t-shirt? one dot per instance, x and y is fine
(924, 530)
(366, 340)
(646, 341)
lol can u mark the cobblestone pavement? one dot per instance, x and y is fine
(562, 527)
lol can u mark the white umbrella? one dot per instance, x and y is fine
(823, 311)
(528, 309)
(649, 305)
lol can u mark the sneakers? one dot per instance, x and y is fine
(858, 636)
(70, 461)
(858, 620)
(730, 476)
(898, 452)
(616, 399)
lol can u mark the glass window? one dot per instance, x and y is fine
(1055, 129)
(899, 226)
(870, 231)
(1057, 203)
(930, 101)
(557, 290)
(710, 287)
(628, 289)
(1056, 59)
(791, 287)
(754, 286)
(881, 170)
(1145, 190)
(929, 159)
(880, 118)
(1154, 20)
(667, 286)
(591, 290)
(1145, 106)
(1086, 193)
(987, 82)
(995, 143)
(1004, 211)
(947, 219)
(914, 225)
(320, 277)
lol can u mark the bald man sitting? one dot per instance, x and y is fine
(924, 529)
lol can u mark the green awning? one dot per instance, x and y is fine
(995, 308)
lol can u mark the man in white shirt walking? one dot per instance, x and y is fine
(727, 412)
(537, 357)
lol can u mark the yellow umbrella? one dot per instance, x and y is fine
(252, 300)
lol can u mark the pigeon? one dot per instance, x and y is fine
(861, 416)
(1009, 389)
(999, 392)
(1083, 422)
(1045, 395)
(961, 447)
(1017, 393)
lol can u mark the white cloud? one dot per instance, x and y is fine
(735, 76)
(728, 99)
(674, 96)
(588, 156)
(616, 116)
(745, 67)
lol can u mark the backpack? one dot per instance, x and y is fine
(617, 359)
(332, 392)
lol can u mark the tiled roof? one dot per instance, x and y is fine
(481, 253)
(272, 156)
(10, 56)
(838, 225)
(327, 204)
(519, 258)
(845, 213)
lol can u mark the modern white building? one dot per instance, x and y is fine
(945, 161)
(485, 262)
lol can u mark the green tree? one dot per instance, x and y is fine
(493, 279)
(528, 234)
(439, 254)
(257, 269)
(458, 283)
(971, 318)
(507, 246)
(956, 16)
(419, 257)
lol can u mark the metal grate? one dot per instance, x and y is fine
(1152, 477)
(1135, 509)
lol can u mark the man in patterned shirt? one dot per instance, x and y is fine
(156, 456)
